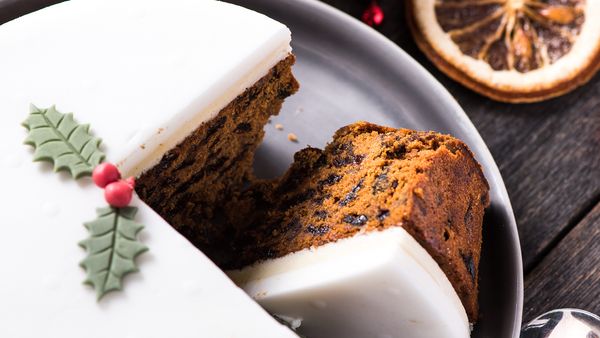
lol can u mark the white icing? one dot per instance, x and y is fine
(128, 68)
(586, 45)
(379, 284)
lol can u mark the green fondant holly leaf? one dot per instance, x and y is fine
(112, 248)
(59, 139)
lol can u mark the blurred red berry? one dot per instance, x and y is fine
(373, 15)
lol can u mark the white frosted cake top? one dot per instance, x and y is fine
(138, 71)
(380, 284)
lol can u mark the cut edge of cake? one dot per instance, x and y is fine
(267, 58)
(193, 181)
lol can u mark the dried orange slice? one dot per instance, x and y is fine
(510, 50)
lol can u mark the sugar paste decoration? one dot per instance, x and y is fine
(112, 246)
(59, 139)
(117, 192)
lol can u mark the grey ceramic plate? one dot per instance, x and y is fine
(349, 72)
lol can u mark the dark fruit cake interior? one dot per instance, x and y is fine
(192, 182)
(368, 178)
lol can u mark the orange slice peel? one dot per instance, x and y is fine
(510, 50)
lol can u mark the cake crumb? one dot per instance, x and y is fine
(279, 126)
(261, 294)
(292, 137)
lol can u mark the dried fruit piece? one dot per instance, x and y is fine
(510, 50)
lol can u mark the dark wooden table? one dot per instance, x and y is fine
(549, 156)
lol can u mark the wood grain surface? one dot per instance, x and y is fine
(568, 276)
(549, 156)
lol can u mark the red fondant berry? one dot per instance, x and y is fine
(118, 194)
(105, 173)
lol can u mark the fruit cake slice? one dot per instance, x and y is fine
(368, 180)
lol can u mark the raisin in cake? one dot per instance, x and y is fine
(380, 232)
(148, 76)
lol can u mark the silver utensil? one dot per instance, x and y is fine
(563, 323)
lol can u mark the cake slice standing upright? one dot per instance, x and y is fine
(377, 235)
